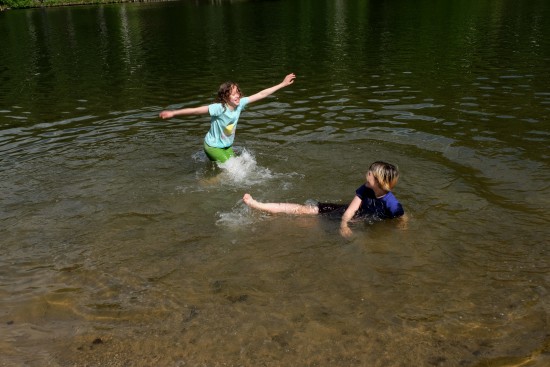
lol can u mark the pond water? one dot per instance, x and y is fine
(121, 245)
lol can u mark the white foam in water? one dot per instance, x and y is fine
(240, 171)
(237, 217)
(243, 169)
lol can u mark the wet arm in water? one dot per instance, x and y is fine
(345, 230)
(403, 222)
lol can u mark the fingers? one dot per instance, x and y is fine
(345, 232)
(165, 115)
(290, 78)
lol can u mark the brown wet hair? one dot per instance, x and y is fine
(225, 91)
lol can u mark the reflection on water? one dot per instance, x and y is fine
(123, 245)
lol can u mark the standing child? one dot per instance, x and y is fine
(224, 116)
(373, 199)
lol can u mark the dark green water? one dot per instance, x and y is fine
(119, 249)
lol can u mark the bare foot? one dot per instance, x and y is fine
(249, 200)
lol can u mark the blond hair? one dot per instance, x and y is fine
(386, 174)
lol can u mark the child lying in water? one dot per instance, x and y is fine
(373, 199)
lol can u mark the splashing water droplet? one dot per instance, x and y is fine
(243, 169)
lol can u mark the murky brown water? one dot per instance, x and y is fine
(118, 248)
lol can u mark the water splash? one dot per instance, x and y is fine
(241, 171)
(238, 216)
(244, 170)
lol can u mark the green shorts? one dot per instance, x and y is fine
(218, 154)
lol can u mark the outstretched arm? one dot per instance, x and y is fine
(289, 79)
(167, 114)
(345, 230)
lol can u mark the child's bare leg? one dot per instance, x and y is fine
(275, 208)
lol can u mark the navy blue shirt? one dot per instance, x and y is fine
(385, 207)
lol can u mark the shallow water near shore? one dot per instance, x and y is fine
(122, 245)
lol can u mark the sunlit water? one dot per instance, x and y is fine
(122, 245)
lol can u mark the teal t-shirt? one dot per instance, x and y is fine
(223, 123)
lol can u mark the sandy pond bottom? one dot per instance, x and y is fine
(178, 272)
